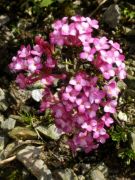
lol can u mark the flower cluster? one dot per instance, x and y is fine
(80, 103)
(85, 109)
(101, 52)
(37, 62)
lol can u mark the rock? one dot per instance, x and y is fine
(8, 124)
(1, 118)
(2, 94)
(103, 168)
(85, 167)
(3, 106)
(132, 140)
(37, 94)
(112, 15)
(3, 19)
(66, 174)
(29, 156)
(22, 133)
(20, 96)
(122, 116)
(81, 177)
(50, 131)
(100, 172)
(97, 175)
(9, 149)
(129, 31)
(3, 141)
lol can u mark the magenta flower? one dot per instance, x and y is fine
(101, 43)
(78, 82)
(110, 106)
(24, 52)
(21, 80)
(98, 131)
(107, 119)
(70, 94)
(102, 138)
(96, 95)
(89, 127)
(111, 89)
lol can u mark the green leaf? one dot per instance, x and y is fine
(46, 3)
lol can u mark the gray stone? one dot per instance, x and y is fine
(50, 131)
(132, 140)
(20, 96)
(30, 157)
(3, 141)
(1, 118)
(3, 19)
(22, 133)
(8, 124)
(3, 106)
(81, 177)
(112, 15)
(2, 94)
(100, 172)
(66, 174)
(85, 167)
(97, 175)
(103, 168)
(9, 149)
(122, 116)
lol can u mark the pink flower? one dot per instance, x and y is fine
(82, 104)
(111, 89)
(98, 131)
(102, 138)
(96, 95)
(78, 82)
(70, 94)
(115, 45)
(110, 106)
(92, 22)
(21, 80)
(37, 50)
(101, 43)
(107, 119)
(24, 51)
(87, 56)
(89, 127)
(78, 18)
(120, 71)
(92, 111)
(17, 64)
(50, 62)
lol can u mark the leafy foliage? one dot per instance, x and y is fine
(127, 155)
(120, 135)
(45, 3)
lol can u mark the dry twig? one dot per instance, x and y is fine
(8, 160)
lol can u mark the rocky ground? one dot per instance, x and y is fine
(30, 147)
